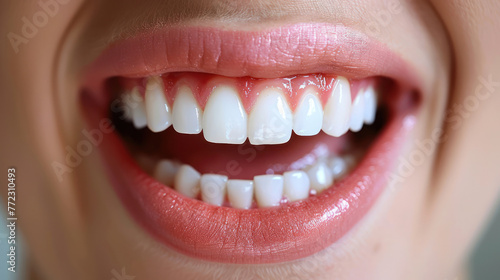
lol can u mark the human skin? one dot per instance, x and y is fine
(420, 228)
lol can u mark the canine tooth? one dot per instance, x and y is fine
(187, 181)
(308, 117)
(224, 118)
(357, 113)
(138, 109)
(268, 190)
(165, 171)
(213, 188)
(158, 112)
(270, 121)
(320, 176)
(296, 185)
(370, 105)
(338, 108)
(338, 167)
(186, 112)
(240, 193)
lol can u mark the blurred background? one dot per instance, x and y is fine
(484, 263)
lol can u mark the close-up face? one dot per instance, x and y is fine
(225, 139)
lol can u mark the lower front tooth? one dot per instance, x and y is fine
(357, 113)
(240, 193)
(296, 185)
(213, 188)
(186, 113)
(268, 190)
(320, 176)
(187, 181)
(165, 171)
(138, 109)
(270, 121)
(338, 167)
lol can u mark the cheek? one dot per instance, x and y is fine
(29, 114)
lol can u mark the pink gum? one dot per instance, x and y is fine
(202, 85)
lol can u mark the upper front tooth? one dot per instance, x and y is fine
(187, 181)
(338, 108)
(224, 118)
(270, 121)
(296, 185)
(157, 110)
(126, 103)
(308, 116)
(320, 176)
(213, 188)
(357, 113)
(186, 112)
(138, 109)
(240, 193)
(268, 190)
(370, 105)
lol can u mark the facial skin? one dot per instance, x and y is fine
(421, 228)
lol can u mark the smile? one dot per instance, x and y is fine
(250, 146)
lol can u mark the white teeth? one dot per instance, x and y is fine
(213, 188)
(240, 193)
(186, 112)
(127, 102)
(158, 112)
(338, 167)
(338, 108)
(187, 181)
(138, 109)
(270, 121)
(224, 118)
(370, 105)
(268, 190)
(296, 185)
(165, 171)
(357, 113)
(308, 117)
(320, 176)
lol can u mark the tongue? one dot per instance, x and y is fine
(242, 161)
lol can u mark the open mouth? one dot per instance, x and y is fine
(229, 148)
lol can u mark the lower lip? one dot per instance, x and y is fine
(266, 235)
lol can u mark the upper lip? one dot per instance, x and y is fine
(284, 51)
(257, 235)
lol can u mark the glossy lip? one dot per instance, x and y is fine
(268, 235)
(296, 49)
